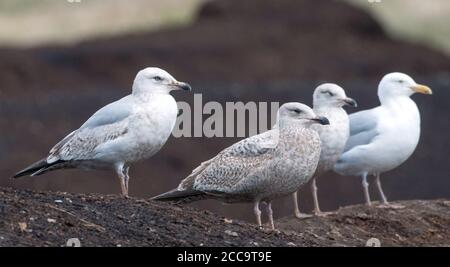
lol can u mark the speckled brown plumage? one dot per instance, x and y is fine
(262, 167)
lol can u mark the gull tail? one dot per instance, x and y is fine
(38, 168)
(181, 196)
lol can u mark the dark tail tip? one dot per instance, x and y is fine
(32, 168)
(17, 175)
(24, 172)
(178, 195)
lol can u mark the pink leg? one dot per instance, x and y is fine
(297, 212)
(270, 215)
(365, 185)
(257, 212)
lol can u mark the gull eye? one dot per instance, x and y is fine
(400, 81)
(297, 111)
(328, 93)
(158, 78)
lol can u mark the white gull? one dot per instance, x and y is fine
(128, 130)
(382, 138)
(328, 100)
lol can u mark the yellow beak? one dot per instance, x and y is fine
(422, 89)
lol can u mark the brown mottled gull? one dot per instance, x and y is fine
(260, 168)
(384, 137)
(328, 100)
(128, 130)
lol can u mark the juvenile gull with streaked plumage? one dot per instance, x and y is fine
(260, 168)
(328, 100)
(128, 130)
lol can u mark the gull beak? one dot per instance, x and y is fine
(182, 86)
(422, 89)
(350, 102)
(322, 120)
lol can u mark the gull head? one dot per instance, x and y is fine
(156, 80)
(331, 95)
(399, 84)
(298, 114)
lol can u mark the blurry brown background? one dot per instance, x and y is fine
(61, 61)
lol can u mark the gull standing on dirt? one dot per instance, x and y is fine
(328, 100)
(259, 168)
(126, 131)
(384, 137)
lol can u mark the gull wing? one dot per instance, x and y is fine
(363, 128)
(103, 126)
(233, 164)
(111, 113)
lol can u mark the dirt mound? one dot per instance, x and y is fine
(420, 223)
(50, 219)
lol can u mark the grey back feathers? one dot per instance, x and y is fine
(363, 128)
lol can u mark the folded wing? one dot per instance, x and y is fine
(235, 163)
(363, 129)
(103, 126)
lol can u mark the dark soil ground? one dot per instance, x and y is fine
(49, 219)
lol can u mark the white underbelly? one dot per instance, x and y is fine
(392, 155)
